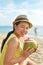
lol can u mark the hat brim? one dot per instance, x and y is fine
(30, 24)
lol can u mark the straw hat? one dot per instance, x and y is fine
(22, 18)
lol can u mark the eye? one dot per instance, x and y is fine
(22, 26)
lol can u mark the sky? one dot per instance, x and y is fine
(10, 9)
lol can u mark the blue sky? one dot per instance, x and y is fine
(10, 9)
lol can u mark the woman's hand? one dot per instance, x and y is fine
(28, 52)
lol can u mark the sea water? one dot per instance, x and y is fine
(6, 29)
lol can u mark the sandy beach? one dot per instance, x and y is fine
(38, 55)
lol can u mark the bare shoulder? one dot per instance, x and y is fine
(13, 42)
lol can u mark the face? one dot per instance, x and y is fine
(21, 29)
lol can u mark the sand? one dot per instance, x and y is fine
(37, 57)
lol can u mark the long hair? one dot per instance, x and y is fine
(4, 40)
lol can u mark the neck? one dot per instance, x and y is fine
(17, 35)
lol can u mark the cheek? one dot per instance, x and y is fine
(26, 32)
(18, 30)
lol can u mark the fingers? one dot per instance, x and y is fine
(28, 49)
(31, 51)
(35, 49)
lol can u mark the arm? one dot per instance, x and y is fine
(12, 46)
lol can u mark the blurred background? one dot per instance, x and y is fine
(10, 9)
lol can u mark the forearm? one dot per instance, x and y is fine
(16, 60)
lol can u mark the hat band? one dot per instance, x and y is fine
(22, 19)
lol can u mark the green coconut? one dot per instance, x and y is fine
(30, 44)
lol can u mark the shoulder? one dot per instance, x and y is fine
(13, 42)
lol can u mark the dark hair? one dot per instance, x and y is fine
(4, 40)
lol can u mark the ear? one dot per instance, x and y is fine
(14, 26)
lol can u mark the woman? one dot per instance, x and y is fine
(12, 53)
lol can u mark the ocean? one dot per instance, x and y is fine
(6, 29)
